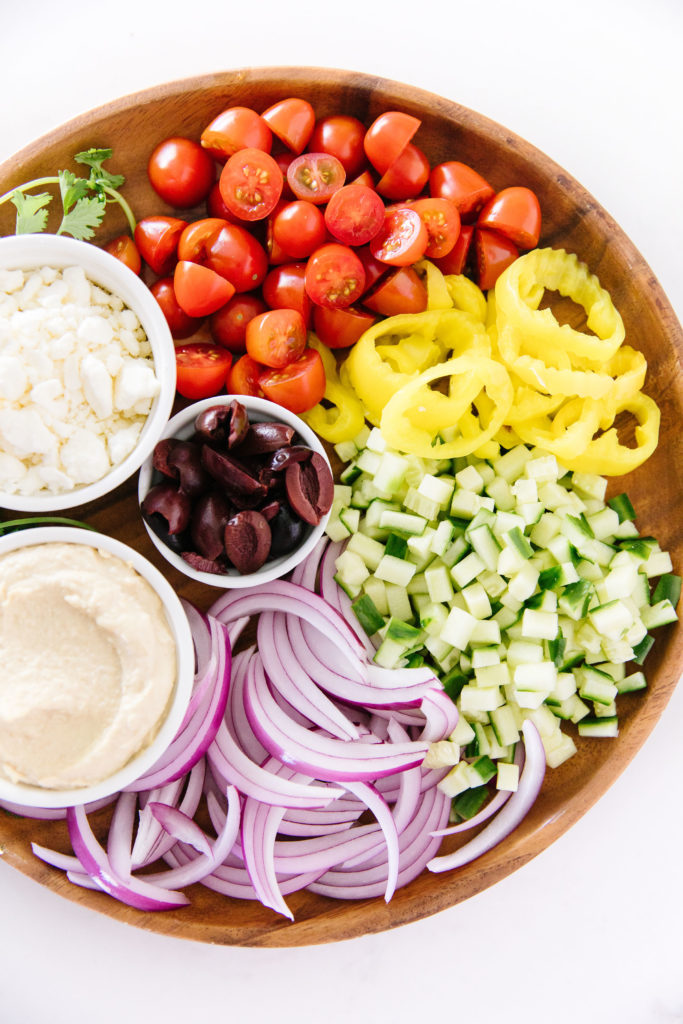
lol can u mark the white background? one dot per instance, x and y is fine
(591, 929)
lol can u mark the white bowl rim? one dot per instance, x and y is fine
(139, 765)
(264, 410)
(26, 252)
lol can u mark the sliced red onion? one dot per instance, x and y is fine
(135, 892)
(63, 861)
(160, 840)
(201, 635)
(441, 716)
(236, 719)
(149, 830)
(514, 811)
(181, 827)
(120, 835)
(53, 813)
(259, 829)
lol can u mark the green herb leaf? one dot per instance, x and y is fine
(83, 219)
(31, 212)
(94, 158)
(72, 189)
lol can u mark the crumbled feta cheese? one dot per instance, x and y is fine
(77, 380)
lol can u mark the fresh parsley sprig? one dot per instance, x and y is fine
(84, 200)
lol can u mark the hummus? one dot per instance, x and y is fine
(87, 665)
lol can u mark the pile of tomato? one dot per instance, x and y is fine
(312, 224)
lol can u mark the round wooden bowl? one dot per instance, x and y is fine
(571, 219)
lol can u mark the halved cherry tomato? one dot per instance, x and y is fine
(455, 261)
(233, 129)
(387, 137)
(292, 120)
(374, 269)
(402, 239)
(442, 220)
(180, 324)
(299, 385)
(239, 257)
(284, 288)
(342, 136)
(216, 207)
(299, 228)
(407, 176)
(200, 290)
(228, 325)
(276, 254)
(244, 377)
(494, 253)
(462, 184)
(354, 214)
(401, 291)
(516, 213)
(276, 337)
(196, 239)
(334, 276)
(126, 251)
(341, 328)
(364, 178)
(283, 160)
(201, 369)
(251, 184)
(315, 176)
(157, 242)
(181, 172)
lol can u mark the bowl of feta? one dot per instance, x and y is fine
(87, 372)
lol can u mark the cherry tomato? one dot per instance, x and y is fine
(374, 269)
(276, 254)
(228, 325)
(251, 184)
(196, 238)
(181, 172)
(402, 239)
(365, 178)
(125, 250)
(157, 242)
(292, 121)
(299, 228)
(341, 328)
(455, 261)
(401, 291)
(354, 214)
(179, 323)
(407, 176)
(334, 276)
(276, 337)
(200, 290)
(315, 176)
(494, 253)
(442, 220)
(465, 186)
(299, 385)
(341, 136)
(201, 369)
(233, 129)
(283, 160)
(284, 288)
(516, 213)
(216, 207)
(239, 257)
(244, 377)
(387, 137)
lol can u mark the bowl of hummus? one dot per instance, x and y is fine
(97, 666)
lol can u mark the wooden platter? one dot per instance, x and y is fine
(573, 219)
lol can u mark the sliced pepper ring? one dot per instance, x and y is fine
(344, 418)
(606, 456)
(570, 431)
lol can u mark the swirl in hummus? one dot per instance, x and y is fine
(87, 665)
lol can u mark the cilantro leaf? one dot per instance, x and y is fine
(72, 189)
(94, 158)
(31, 212)
(83, 219)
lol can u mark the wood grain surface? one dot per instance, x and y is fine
(571, 219)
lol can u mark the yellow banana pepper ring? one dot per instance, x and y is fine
(344, 418)
(519, 290)
(553, 380)
(466, 295)
(569, 432)
(474, 373)
(606, 456)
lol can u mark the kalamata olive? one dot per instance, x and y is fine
(203, 564)
(209, 517)
(177, 542)
(186, 460)
(223, 423)
(266, 437)
(230, 474)
(285, 456)
(270, 510)
(162, 450)
(310, 488)
(172, 504)
(247, 540)
(287, 532)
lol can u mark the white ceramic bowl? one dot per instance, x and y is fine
(258, 410)
(26, 252)
(36, 796)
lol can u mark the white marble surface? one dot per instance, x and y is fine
(590, 930)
